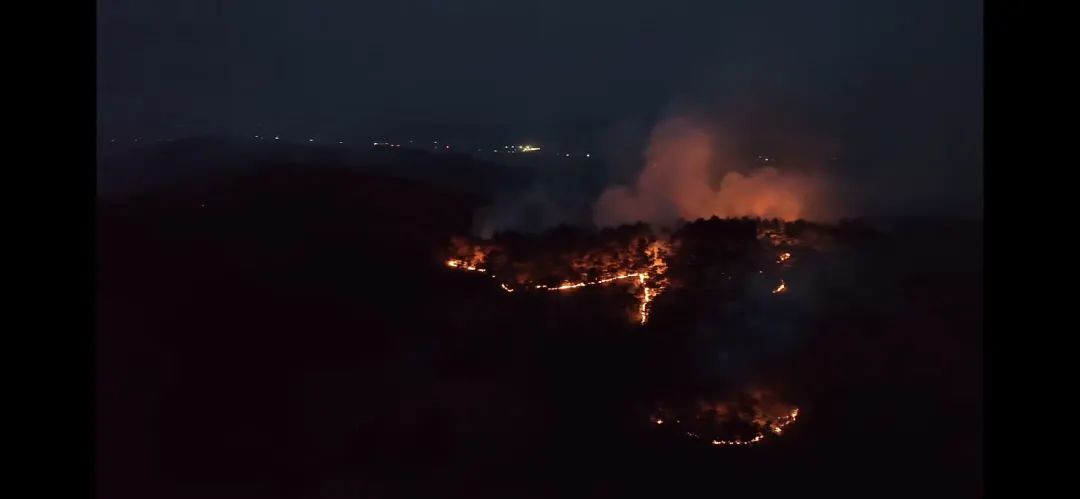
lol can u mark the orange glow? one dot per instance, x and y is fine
(757, 438)
(460, 264)
(641, 262)
(643, 308)
(765, 413)
(611, 263)
(683, 158)
(774, 235)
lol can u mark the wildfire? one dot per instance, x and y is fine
(777, 426)
(642, 260)
(757, 438)
(644, 301)
(643, 307)
(463, 265)
(647, 274)
(765, 414)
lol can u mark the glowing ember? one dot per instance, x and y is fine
(780, 289)
(783, 257)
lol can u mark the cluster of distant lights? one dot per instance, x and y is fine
(521, 148)
(524, 148)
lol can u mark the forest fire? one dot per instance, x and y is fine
(634, 256)
(757, 410)
(561, 262)
(757, 438)
(648, 293)
(641, 262)
(463, 265)
(643, 311)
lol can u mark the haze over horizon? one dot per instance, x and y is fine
(883, 98)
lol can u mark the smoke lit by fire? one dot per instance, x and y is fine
(682, 161)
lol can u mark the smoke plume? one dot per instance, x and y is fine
(697, 170)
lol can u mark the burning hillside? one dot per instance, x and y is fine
(746, 419)
(688, 260)
(567, 259)
(640, 263)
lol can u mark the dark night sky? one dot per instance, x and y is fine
(890, 79)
